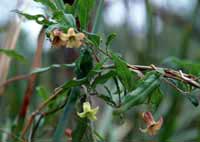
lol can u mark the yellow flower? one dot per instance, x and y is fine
(72, 39)
(152, 125)
(88, 112)
(55, 38)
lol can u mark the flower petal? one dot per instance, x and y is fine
(152, 132)
(64, 37)
(71, 44)
(158, 124)
(148, 118)
(71, 31)
(80, 36)
(143, 130)
(92, 117)
(86, 107)
(82, 114)
(78, 44)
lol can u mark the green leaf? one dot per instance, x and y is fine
(193, 99)
(42, 92)
(84, 63)
(13, 54)
(39, 18)
(101, 139)
(107, 99)
(60, 4)
(156, 98)
(141, 93)
(64, 19)
(74, 83)
(94, 39)
(68, 109)
(84, 8)
(110, 38)
(101, 79)
(69, 8)
(124, 74)
(44, 69)
(47, 3)
(82, 125)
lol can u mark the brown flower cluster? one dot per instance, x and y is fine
(69, 39)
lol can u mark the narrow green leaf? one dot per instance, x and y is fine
(39, 18)
(74, 83)
(98, 16)
(156, 98)
(64, 19)
(44, 69)
(80, 130)
(42, 92)
(124, 74)
(69, 8)
(107, 99)
(84, 8)
(64, 119)
(94, 39)
(103, 78)
(110, 38)
(13, 54)
(99, 136)
(193, 99)
(140, 94)
(47, 3)
(84, 63)
(60, 4)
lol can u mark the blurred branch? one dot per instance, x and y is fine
(36, 71)
(10, 43)
(32, 78)
(179, 21)
(150, 26)
(188, 32)
(45, 114)
(56, 92)
(13, 79)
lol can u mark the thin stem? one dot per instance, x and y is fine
(168, 73)
(25, 77)
(38, 110)
(45, 114)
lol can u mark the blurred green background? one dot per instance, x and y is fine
(148, 32)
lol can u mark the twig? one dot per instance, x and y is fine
(38, 111)
(168, 73)
(19, 77)
(175, 87)
(25, 77)
(10, 43)
(45, 114)
(31, 82)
